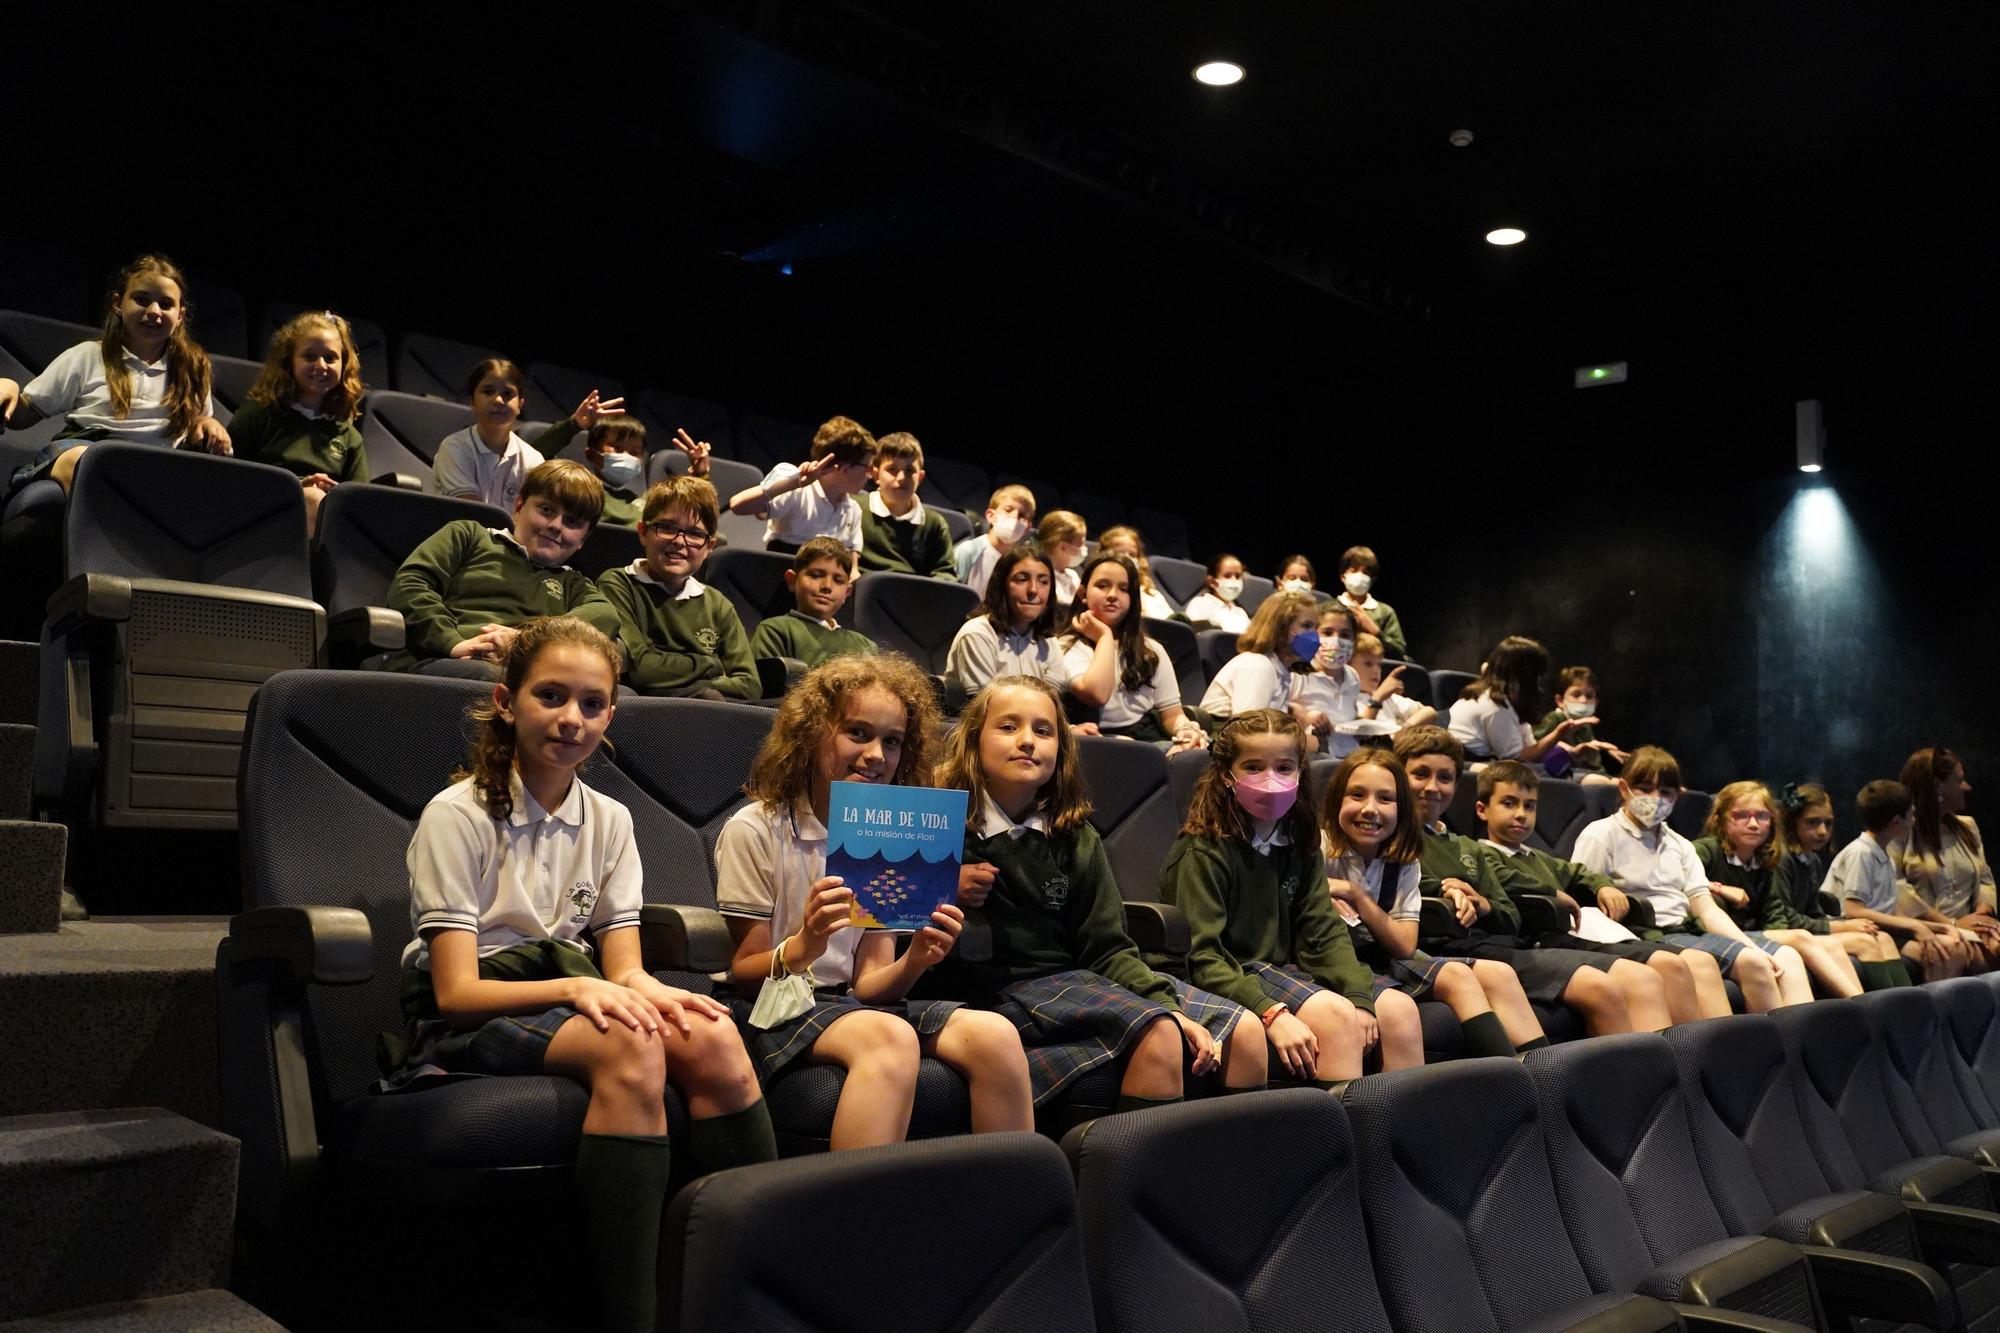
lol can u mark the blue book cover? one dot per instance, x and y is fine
(897, 848)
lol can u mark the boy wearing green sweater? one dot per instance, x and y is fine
(820, 578)
(462, 592)
(899, 535)
(681, 638)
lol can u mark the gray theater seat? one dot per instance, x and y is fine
(365, 534)
(912, 614)
(434, 367)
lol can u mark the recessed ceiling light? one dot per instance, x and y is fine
(1506, 236)
(1218, 74)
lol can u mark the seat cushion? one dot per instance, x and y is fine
(466, 1124)
(803, 1100)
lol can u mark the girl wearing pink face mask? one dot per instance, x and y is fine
(1373, 840)
(1246, 873)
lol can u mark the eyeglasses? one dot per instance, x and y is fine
(667, 532)
(1749, 816)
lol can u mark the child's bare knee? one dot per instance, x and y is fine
(1454, 983)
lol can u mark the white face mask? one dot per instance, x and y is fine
(1574, 709)
(626, 472)
(1357, 584)
(1296, 585)
(1649, 810)
(1009, 527)
(1229, 589)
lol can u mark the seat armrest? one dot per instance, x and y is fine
(777, 675)
(1702, 1318)
(1438, 922)
(1541, 916)
(1953, 1235)
(1158, 928)
(363, 631)
(324, 946)
(88, 597)
(1855, 1282)
(684, 939)
(402, 481)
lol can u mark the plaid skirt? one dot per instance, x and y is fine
(1072, 1022)
(510, 1044)
(1288, 985)
(775, 1049)
(1415, 974)
(1725, 950)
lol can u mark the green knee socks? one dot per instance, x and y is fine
(1484, 1035)
(621, 1184)
(1881, 976)
(1127, 1102)
(736, 1138)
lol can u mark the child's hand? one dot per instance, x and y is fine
(1570, 724)
(1392, 684)
(10, 395)
(594, 409)
(1088, 626)
(486, 646)
(1571, 906)
(696, 450)
(1187, 736)
(929, 945)
(1613, 903)
(1318, 722)
(1730, 894)
(1297, 1047)
(975, 882)
(826, 913)
(812, 470)
(675, 1005)
(1345, 891)
(1207, 1055)
(1460, 898)
(1086, 729)
(210, 437)
(1363, 622)
(1371, 1030)
(605, 1002)
(319, 481)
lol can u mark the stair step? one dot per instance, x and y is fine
(207, 1311)
(20, 680)
(111, 1012)
(31, 875)
(123, 1205)
(17, 769)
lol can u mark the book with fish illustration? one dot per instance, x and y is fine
(897, 848)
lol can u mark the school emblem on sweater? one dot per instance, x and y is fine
(1056, 892)
(583, 897)
(553, 586)
(707, 638)
(1467, 860)
(1290, 887)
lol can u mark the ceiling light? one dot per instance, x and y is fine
(1506, 236)
(1218, 74)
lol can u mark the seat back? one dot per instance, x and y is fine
(371, 341)
(1600, 800)
(956, 485)
(1255, 589)
(1184, 651)
(1562, 814)
(434, 367)
(1216, 647)
(1920, 1057)
(1847, 1094)
(1181, 580)
(609, 546)
(765, 441)
(956, 525)
(1972, 1023)
(27, 344)
(913, 615)
(1445, 687)
(1462, 1215)
(664, 413)
(1159, 1259)
(402, 431)
(137, 511)
(230, 380)
(1690, 812)
(1184, 770)
(1011, 1191)
(1132, 809)
(1166, 533)
(752, 579)
(1416, 678)
(361, 753)
(219, 320)
(1623, 1156)
(552, 392)
(366, 532)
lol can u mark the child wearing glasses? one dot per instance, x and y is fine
(680, 637)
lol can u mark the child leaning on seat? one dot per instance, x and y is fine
(856, 719)
(513, 870)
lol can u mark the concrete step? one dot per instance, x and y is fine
(17, 769)
(20, 680)
(100, 1206)
(206, 1311)
(32, 856)
(119, 1011)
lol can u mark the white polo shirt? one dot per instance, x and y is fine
(1209, 609)
(1246, 682)
(1488, 728)
(877, 507)
(981, 651)
(466, 469)
(1658, 865)
(73, 386)
(766, 862)
(1865, 872)
(1406, 900)
(798, 516)
(537, 875)
(1125, 707)
(978, 564)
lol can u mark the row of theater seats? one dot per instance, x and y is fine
(1819, 1168)
(403, 426)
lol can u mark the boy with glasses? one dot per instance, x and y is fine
(681, 637)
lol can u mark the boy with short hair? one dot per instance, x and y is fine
(1010, 516)
(816, 500)
(466, 587)
(681, 638)
(1863, 877)
(1576, 701)
(820, 581)
(1358, 571)
(1383, 700)
(1611, 989)
(1646, 859)
(898, 534)
(616, 451)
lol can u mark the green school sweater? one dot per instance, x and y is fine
(1054, 906)
(302, 445)
(673, 643)
(1583, 761)
(621, 508)
(466, 576)
(1393, 643)
(891, 545)
(1447, 855)
(1768, 909)
(796, 634)
(1244, 906)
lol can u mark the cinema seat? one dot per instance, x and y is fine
(402, 431)
(1179, 580)
(433, 367)
(753, 580)
(664, 413)
(552, 392)
(913, 615)
(365, 534)
(955, 485)
(1184, 651)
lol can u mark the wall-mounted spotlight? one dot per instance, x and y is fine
(1810, 419)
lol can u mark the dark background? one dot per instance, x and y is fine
(1023, 233)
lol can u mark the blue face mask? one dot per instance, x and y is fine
(1305, 644)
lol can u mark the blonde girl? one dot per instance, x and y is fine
(1280, 639)
(1741, 848)
(301, 412)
